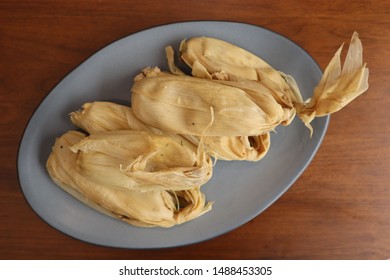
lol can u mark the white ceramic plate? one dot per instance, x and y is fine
(241, 190)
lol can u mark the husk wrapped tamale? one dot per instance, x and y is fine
(107, 116)
(216, 59)
(159, 207)
(193, 106)
(143, 161)
(100, 116)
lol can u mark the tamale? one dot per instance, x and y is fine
(139, 160)
(108, 116)
(139, 208)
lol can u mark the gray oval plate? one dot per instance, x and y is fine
(241, 190)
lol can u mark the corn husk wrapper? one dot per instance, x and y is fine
(273, 91)
(339, 85)
(107, 116)
(151, 208)
(212, 58)
(100, 116)
(215, 59)
(193, 106)
(248, 148)
(138, 160)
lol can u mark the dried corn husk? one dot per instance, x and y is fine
(139, 160)
(102, 116)
(140, 208)
(248, 148)
(220, 57)
(193, 106)
(269, 82)
(338, 86)
(107, 116)
(215, 59)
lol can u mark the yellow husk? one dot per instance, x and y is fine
(107, 116)
(248, 148)
(215, 59)
(338, 87)
(152, 208)
(100, 116)
(182, 104)
(143, 161)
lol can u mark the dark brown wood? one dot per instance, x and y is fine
(338, 209)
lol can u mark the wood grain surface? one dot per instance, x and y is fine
(338, 209)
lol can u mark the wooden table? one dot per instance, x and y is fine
(338, 209)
